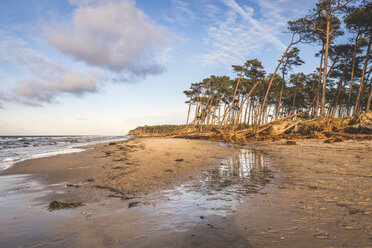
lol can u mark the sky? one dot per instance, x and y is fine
(85, 67)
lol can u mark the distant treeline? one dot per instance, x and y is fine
(158, 129)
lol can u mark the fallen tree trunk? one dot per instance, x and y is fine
(267, 125)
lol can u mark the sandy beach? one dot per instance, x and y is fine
(166, 192)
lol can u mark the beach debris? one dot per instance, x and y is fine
(290, 142)
(110, 189)
(119, 159)
(73, 185)
(90, 180)
(211, 226)
(56, 205)
(179, 160)
(361, 123)
(202, 217)
(123, 198)
(132, 204)
(112, 143)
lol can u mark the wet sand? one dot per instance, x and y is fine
(311, 194)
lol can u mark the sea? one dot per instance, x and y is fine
(15, 149)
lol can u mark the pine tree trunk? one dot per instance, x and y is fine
(352, 72)
(339, 88)
(188, 114)
(249, 111)
(236, 88)
(219, 112)
(357, 103)
(255, 112)
(319, 83)
(235, 117)
(272, 79)
(294, 101)
(324, 86)
(196, 109)
(209, 110)
(246, 98)
(369, 99)
(246, 111)
(280, 99)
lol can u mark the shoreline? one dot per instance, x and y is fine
(319, 197)
(99, 165)
(49, 148)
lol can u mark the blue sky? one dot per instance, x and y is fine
(105, 67)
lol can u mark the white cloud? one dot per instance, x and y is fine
(114, 35)
(241, 31)
(46, 79)
(180, 13)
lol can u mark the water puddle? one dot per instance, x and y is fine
(216, 192)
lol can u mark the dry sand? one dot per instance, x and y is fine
(131, 167)
(321, 197)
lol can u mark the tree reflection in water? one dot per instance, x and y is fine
(245, 173)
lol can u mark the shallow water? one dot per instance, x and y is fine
(217, 191)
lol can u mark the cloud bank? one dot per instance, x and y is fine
(113, 35)
(45, 79)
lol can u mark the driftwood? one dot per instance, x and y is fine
(268, 125)
(284, 118)
(351, 136)
(289, 127)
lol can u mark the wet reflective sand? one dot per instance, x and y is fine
(216, 192)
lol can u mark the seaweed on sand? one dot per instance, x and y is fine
(56, 205)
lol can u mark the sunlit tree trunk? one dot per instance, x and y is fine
(255, 112)
(246, 98)
(369, 99)
(272, 79)
(337, 98)
(219, 111)
(196, 108)
(294, 101)
(319, 83)
(246, 111)
(280, 99)
(352, 72)
(249, 110)
(357, 103)
(324, 86)
(188, 114)
(210, 110)
(232, 102)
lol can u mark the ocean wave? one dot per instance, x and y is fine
(7, 160)
(17, 148)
